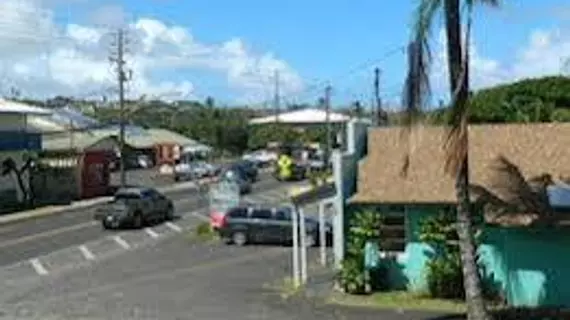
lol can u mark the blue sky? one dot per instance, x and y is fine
(338, 40)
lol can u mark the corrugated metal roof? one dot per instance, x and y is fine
(71, 140)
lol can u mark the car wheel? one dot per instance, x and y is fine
(239, 238)
(105, 225)
(137, 221)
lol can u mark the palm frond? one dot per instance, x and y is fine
(527, 195)
(417, 85)
(513, 200)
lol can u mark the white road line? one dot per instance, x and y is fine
(86, 252)
(120, 241)
(199, 216)
(38, 267)
(151, 233)
(172, 226)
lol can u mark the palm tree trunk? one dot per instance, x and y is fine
(472, 280)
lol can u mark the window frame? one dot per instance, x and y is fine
(399, 212)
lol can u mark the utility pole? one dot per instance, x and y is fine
(118, 58)
(379, 115)
(328, 146)
(277, 102)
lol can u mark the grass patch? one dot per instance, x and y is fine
(203, 233)
(399, 300)
(285, 287)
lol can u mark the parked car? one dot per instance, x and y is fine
(135, 207)
(248, 224)
(262, 157)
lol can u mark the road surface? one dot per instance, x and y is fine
(176, 279)
(36, 237)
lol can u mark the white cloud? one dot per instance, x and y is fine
(545, 53)
(42, 58)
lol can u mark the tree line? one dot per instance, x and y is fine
(226, 128)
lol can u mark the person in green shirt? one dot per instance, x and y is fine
(285, 166)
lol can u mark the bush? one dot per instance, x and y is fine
(363, 227)
(445, 277)
(204, 231)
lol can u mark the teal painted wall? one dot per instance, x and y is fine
(530, 266)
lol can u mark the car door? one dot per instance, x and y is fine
(284, 225)
(146, 204)
(158, 206)
(161, 202)
(260, 225)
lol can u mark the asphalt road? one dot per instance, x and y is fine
(33, 238)
(177, 279)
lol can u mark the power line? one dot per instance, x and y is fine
(319, 85)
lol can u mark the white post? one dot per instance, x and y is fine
(303, 231)
(295, 221)
(322, 233)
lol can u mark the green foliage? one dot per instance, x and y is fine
(317, 178)
(351, 275)
(544, 99)
(444, 270)
(445, 277)
(205, 232)
(363, 227)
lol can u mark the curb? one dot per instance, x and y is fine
(43, 212)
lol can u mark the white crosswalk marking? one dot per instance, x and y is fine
(38, 267)
(200, 216)
(120, 241)
(172, 226)
(86, 252)
(151, 232)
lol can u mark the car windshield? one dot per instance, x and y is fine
(126, 196)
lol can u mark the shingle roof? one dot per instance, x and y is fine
(77, 140)
(535, 148)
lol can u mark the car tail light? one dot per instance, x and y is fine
(217, 219)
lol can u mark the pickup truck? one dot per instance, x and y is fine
(135, 207)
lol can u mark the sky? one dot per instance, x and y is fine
(235, 51)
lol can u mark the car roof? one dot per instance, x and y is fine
(133, 190)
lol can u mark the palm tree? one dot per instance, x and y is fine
(513, 199)
(456, 146)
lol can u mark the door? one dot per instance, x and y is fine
(149, 205)
(284, 224)
(160, 203)
(261, 223)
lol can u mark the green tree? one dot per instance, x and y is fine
(457, 162)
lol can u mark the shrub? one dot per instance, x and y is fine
(363, 227)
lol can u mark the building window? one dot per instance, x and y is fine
(393, 230)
